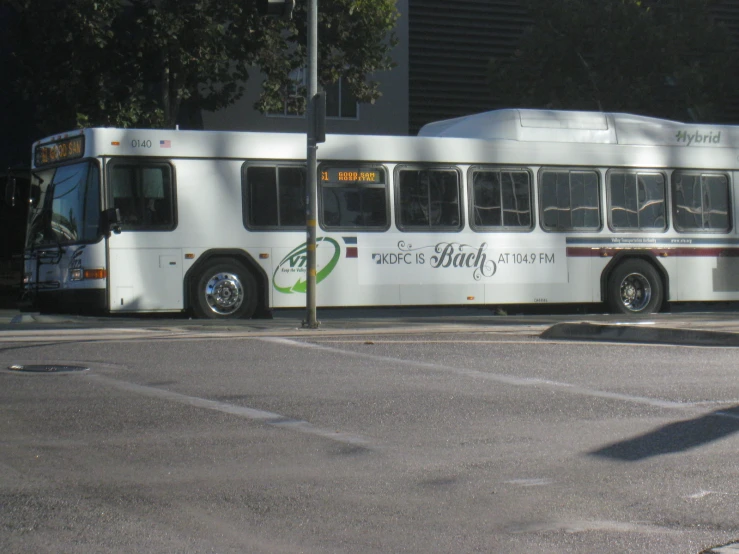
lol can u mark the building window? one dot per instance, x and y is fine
(340, 103)
(701, 201)
(637, 201)
(274, 197)
(294, 95)
(569, 200)
(501, 199)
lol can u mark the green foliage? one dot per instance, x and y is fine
(150, 63)
(665, 59)
(354, 42)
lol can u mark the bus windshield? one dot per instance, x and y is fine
(65, 205)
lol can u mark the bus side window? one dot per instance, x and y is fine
(274, 196)
(486, 199)
(143, 193)
(291, 181)
(501, 199)
(701, 201)
(569, 200)
(354, 206)
(636, 201)
(122, 190)
(428, 198)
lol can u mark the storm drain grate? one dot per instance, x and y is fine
(47, 368)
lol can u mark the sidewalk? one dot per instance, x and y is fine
(647, 333)
(688, 329)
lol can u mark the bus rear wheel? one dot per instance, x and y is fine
(225, 290)
(635, 288)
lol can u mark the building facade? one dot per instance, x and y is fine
(442, 60)
(387, 116)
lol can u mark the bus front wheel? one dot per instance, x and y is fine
(225, 290)
(635, 288)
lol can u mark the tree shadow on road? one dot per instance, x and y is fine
(675, 437)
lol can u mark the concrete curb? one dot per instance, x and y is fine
(38, 318)
(641, 334)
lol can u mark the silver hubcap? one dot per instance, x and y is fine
(224, 293)
(636, 292)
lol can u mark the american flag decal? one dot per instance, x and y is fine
(165, 144)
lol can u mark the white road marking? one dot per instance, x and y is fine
(700, 494)
(585, 526)
(529, 482)
(496, 377)
(269, 418)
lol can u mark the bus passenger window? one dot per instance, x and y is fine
(428, 198)
(121, 186)
(486, 199)
(516, 199)
(354, 198)
(636, 201)
(291, 183)
(569, 200)
(701, 201)
(274, 196)
(262, 208)
(501, 199)
(143, 193)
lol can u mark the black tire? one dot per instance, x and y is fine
(635, 288)
(225, 289)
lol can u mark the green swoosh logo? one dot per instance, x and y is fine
(301, 285)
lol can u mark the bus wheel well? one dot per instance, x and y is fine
(624, 257)
(219, 255)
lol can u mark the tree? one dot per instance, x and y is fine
(665, 59)
(154, 63)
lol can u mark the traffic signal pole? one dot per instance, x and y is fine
(311, 320)
(316, 116)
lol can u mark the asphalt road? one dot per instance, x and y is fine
(462, 437)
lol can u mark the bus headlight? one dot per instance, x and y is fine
(75, 274)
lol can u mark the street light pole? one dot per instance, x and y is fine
(312, 166)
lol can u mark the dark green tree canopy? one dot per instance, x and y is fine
(152, 63)
(664, 59)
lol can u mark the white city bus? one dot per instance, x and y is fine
(505, 207)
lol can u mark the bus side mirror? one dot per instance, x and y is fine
(112, 220)
(10, 192)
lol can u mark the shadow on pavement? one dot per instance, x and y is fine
(675, 437)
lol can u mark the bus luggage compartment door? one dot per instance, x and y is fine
(145, 279)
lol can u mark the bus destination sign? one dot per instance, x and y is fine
(352, 175)
(59, 150)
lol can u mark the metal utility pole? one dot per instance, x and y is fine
(316, 118)
(312, 162)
